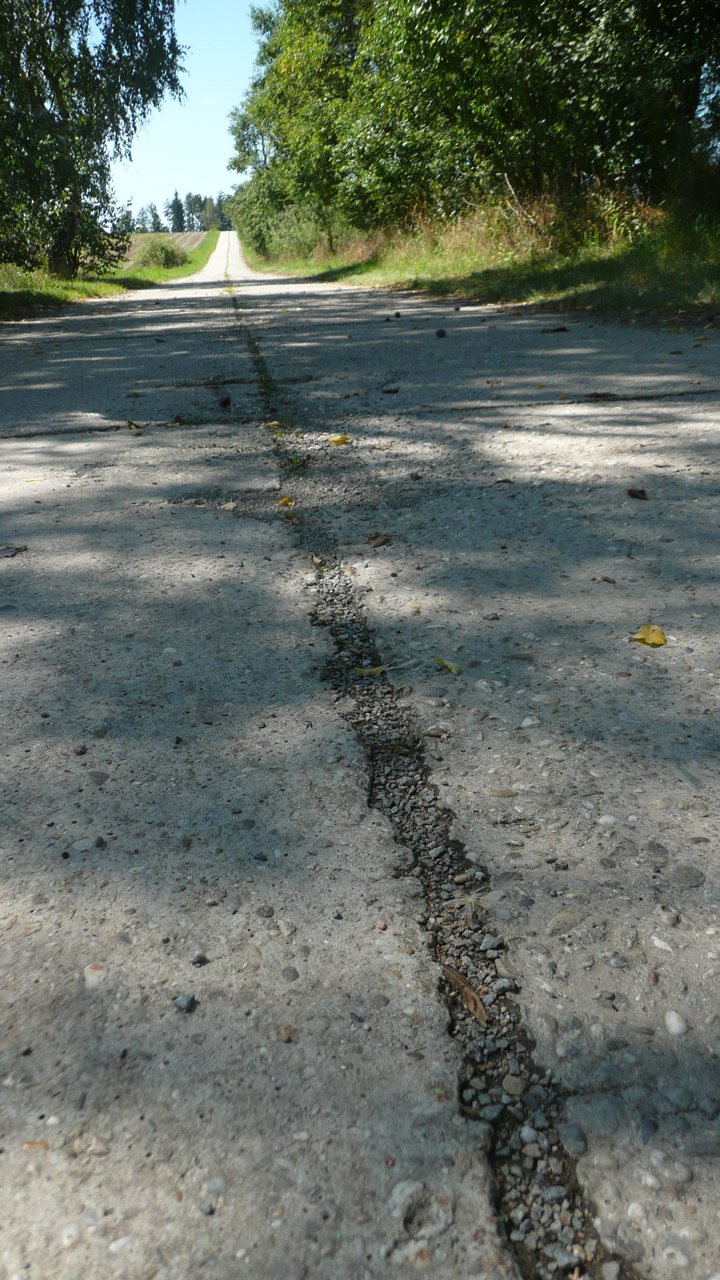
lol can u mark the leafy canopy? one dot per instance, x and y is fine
(376, 110)
(77, 77)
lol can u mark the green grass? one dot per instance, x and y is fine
(661, 264)
(25, 292)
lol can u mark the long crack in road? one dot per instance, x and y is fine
(233, 891)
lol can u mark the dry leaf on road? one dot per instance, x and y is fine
(650, 634)
(468, 994)
(453, 667)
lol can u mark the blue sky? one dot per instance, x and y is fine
(187, 145)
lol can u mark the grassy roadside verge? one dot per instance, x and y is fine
(24, 292)
(664, 265)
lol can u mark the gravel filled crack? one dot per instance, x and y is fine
(518, 1107)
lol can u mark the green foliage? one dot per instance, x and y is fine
(175, 213)
(148, 219)
(159, 252)
(381, 111)
(77, 77)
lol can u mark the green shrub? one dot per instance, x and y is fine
(159, 252)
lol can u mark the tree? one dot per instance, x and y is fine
(175, 213)
(154, 219)
(193, 211)
(77, 77)
(289, 127)
(224, 221)
(376, 110)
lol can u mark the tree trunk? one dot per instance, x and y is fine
(64, 253)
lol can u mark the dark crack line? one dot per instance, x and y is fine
(500, 1087)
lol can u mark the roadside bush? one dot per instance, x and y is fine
(159, 252)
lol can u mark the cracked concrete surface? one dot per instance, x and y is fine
(179, 788)
(215, 1061)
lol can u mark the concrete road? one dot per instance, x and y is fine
(223, 1048)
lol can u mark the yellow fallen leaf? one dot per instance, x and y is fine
(228, 506)
(36, 480)
(317, 559)
(650, 634)
(370, 671)
(286, 502)
(452, 667)
(343, 439)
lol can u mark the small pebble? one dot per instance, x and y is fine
(290, 974)
(573, 1139)
(687, 877)
(117, 1246)
(675, 1024)
(554, 1195)
(563, 1259)
(69, 1235)
(198, 957)
(610, 1270)
(186, 1003)
(675, 1256)
(648, 1129)
(94, 974)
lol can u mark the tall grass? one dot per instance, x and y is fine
(609, 252)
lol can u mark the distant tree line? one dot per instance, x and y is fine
(377, 111)
(77, 78)
(194, 213)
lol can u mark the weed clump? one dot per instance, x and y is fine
(160, 252)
